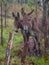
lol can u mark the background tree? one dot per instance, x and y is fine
(45, 26)
(5, 6)
(1, 24)
(26, 1)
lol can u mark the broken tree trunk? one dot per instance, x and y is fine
(8, 50)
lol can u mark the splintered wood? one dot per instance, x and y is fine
(9, 47)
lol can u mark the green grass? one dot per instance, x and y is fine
(38, 61)
(18, 39)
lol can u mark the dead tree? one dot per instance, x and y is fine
(8, 50)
